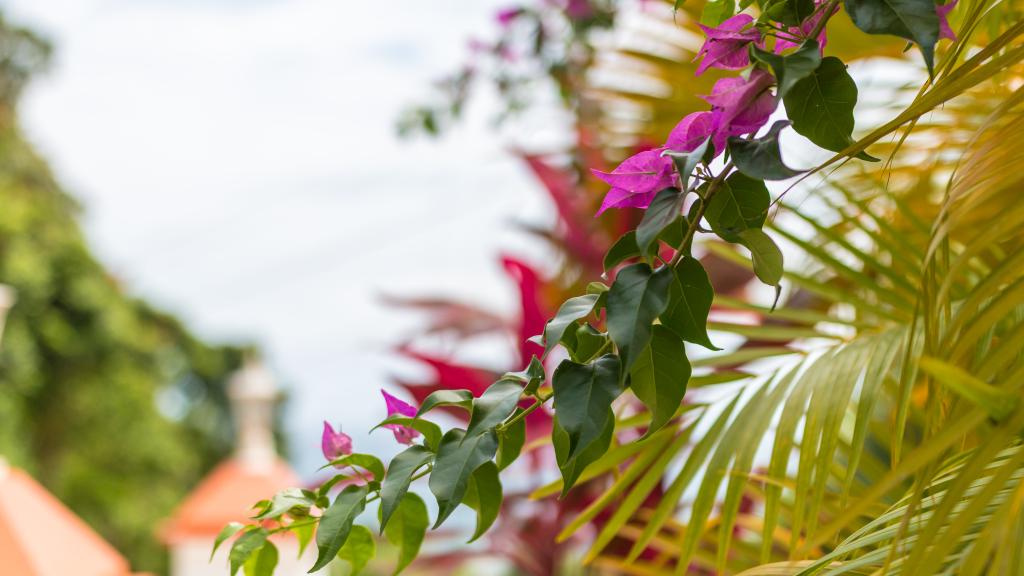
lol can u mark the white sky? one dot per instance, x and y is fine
(239, 167)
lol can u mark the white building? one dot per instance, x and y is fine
(253, 473)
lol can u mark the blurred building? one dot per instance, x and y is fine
(39, 536)
(255, 472)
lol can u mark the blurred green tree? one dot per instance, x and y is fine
(111, 404)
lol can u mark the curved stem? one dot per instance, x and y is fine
(691, 229)
(376, 495)
(603, 347)
(300, 524)
(830, 10)
(360, 474)
(537, 403)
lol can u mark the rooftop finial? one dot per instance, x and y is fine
(253, 395)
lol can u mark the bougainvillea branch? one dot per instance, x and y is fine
(709, 178)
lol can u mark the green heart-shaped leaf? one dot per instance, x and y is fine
(336, 523)
(741, 202)
(663, 211)
(460, 398)
(484, 495)
(660, 375)
(407, 528)
(637, 297)
(821, 106)
(572, 467)
(456, 461)
(767, 257)
(914, 20)
(791, 68)
(760, 157)
(570, 311)
(359, 549)
(493, 406)
(583, 395)
(263, 563)
(248, 543)
(623, 249)
(689, 301)
(510, 442)
(399, 476)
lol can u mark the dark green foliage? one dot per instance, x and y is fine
(766, 256)
(248, 543)
(583, 399)
(407, 528)
(336, 523)
(572, 310)
(790, 12)
(460, 398)
(623, 249)
(585, 343)
(791, 68)
(740, 203)
(689, 302)
(637, 297)
(659, 376)
(456, 461)
(572, 466)
(914, 20)
(530, 377)
(484, 496)
(493, 406)
(760, 157)
(665, 209)
(821, 105)
(396, 482)
(510, 442)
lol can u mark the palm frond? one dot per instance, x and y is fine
(829, 446)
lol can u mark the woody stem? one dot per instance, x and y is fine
(693, 224)
(829, 9)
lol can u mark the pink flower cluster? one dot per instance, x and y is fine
(403, 434)
(726, 46)
(336, 444)
(943, 10)
(739, 105)
(804, 30)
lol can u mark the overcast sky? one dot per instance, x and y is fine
(238, 165)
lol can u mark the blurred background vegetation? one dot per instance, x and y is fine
(113, 405)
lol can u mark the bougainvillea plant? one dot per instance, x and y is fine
(707, 178)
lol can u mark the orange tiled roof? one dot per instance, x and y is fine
(226, 495)
(39, 536)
